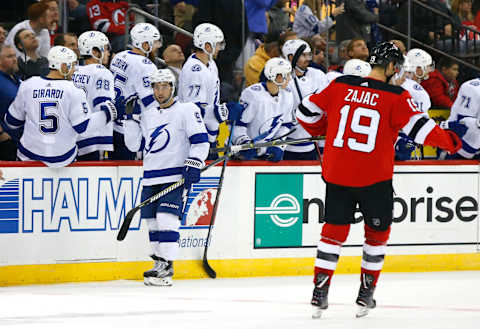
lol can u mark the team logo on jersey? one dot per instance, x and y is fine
(119, 17)
(417, 87)
(256, 88)
(159, 140)
(196, 68)
(270, 127)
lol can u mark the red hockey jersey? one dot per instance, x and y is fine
(107, 17)
(361, 118)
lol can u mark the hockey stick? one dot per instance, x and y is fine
(206, 266)
(122, 233)
(247, 146)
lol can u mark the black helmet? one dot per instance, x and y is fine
(384, 53)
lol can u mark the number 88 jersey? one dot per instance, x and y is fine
(361, 118)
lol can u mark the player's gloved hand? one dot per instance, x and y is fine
(110, 110)
(456, 126)
(191, 171)
(456, 142)
(249, 154)
(274, 153)
(120, 105)
(235, 111)
(130, 105)
(221, 112)
(404, 148)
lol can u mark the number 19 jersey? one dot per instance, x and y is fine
(362, 117)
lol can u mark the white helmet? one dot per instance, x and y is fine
(90, 40)
(144, 32)
(208, 33)
(291, 46)
(357, 67)
(164, 75)
(59, 55)
(418, 58)
(276, 66)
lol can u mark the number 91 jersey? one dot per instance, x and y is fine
(363, 117)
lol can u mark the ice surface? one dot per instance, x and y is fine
(409, 300)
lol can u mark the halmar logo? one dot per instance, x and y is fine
(278, 214)
(275, 209)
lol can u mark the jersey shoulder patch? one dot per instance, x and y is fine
(417, 87)
(196, 68)
(256, 88)
(475, 83)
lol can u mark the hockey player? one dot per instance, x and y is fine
(131, 70)
(175, 144)
(268, 111)
(53, 112)
(353, 66)
(466, 109)
(305, 81)
(361, 118)
(418, 64)
(198, 80)
(97, 82)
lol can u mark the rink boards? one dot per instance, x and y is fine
(60, 225)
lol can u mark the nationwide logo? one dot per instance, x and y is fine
(290, 206)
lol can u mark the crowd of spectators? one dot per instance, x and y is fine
(336, 33)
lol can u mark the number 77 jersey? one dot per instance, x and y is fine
(361, 118)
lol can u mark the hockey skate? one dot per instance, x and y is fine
(161, 274)
(365, 299)
(320, 295)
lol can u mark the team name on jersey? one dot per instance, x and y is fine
(80, 78)
(121, 64)
(365, 97)
(47, 93)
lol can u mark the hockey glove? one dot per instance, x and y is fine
(404, 148)
(130, 105)
(110, 110)
(456, 126)
(120, 105)
(274, 153)
(249, 154)
(456, 141)
(235, 111)
(191, 171)
(221, 112)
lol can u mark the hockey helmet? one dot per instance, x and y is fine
(384, 53)
(90, 40)
(59, 55)
(208, 33)
(276, 66)
(145, 32)
(291, 46)
(357, 67)
(418, 58)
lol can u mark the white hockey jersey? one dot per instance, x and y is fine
(467, 108)
(264, 115)
(419, 95)
(312, 82)
(332, 75)
(97, 82)
(131, 73)
(53, 112)
(167, 137)
(200, 83)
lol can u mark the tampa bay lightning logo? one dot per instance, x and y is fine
(417, 87)
(196, 68)
(159, 140)
(270, 126)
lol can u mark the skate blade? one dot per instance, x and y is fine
(161, 282)
(362, 311)
(317, 312)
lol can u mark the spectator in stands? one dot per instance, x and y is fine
(307, 23)
(462, 9)
(9, 83)
(78, 18)
(256, 63)
(318, 45)
(29, 63)
(357, 49)
(174, 58)
(355, 22)
(68, 40)
(54, 18)
(3, 35)
(38, 21)
(442, 84)
(279, 17)
(183, 12)
(400, 45)
(340, 57)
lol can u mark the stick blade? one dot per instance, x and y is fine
(208, 269)
(122, 233)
